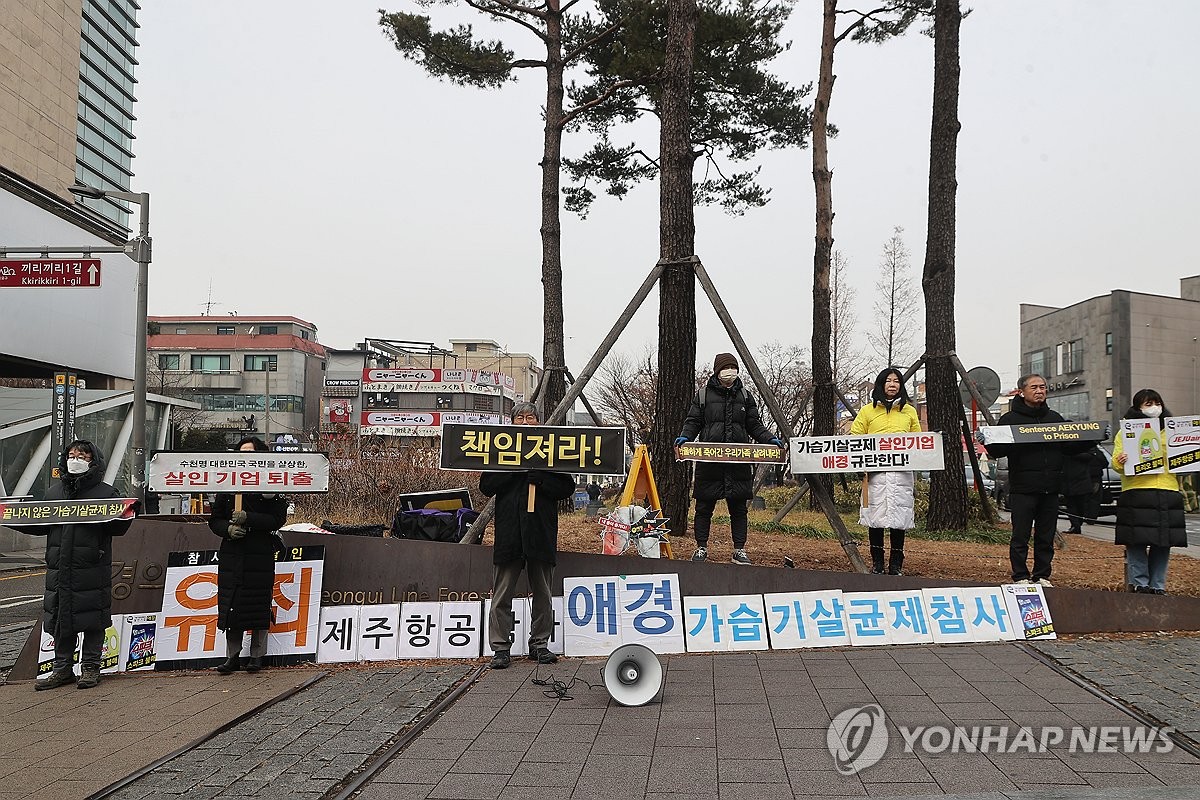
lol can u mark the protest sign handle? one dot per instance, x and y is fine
(237, 503)
(532, 498)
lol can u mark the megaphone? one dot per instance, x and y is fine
(633, 675)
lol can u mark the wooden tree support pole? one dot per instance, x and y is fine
(849, 543)
(790, 504)
(985, 503)
(584, 400)
(475, 532)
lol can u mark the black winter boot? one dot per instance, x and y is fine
(232, 664)
(875, 536)
(877, 560)
(895, 562)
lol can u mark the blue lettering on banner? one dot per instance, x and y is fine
(657, 620)
(998, 619)
(909, 613)
(791, 614)
(747, 624)
(869, 621)
(707, 615)
(830, 622)
(600, 605)
(947, 612)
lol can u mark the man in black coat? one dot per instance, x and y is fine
(526, 540)
(78, 596)
(1034, 479)
(723, 411)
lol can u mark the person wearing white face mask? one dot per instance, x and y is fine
(78, 596)
(1150, 517)
(723, 411)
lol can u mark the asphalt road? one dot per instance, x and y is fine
(20, 595)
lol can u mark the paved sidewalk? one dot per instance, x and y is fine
(755, 726)
(1159, 677)
(68, 743)
(304, 746)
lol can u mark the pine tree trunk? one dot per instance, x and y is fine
(948, 489)
(553, 358)
(822, 376)
(677, 287)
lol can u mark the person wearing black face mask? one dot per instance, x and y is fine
(78, 596)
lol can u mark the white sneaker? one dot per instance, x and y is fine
(1044, 582)
(1023, 581)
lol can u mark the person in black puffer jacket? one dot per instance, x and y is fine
(723, 411)
(1034, 479)
(246, 568)
(78, 595)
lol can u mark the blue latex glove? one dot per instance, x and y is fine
(777, 442)
(681, 440)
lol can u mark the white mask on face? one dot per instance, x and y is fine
(727, 376)
(78, 466)
(1152, 411)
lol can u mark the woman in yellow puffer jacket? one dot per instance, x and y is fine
(889, 495)
(1150, 509)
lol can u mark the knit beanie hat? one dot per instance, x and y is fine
(724, 361)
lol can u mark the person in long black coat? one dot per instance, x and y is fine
(246, 568)
(1082, 474)
(723, 411)
(78, 596)
(524, 540)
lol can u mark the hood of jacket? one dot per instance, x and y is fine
(1035, 413)
(74, 484)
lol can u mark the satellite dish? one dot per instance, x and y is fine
(633, 675)
(987, 384)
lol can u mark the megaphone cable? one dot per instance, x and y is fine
(558, 689)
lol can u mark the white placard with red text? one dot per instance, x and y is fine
(234, 473)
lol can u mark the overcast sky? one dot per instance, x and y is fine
(298, 165)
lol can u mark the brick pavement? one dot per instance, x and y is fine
(754, 725)
(68, 743)
(12, 639)
(1161, 677)
(305, 745)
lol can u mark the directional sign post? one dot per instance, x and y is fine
(50, 273)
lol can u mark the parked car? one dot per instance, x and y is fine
(989, 485)
(1110, 483)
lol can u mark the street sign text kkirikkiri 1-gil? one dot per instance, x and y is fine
(50, 272)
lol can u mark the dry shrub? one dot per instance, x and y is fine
(365, 481)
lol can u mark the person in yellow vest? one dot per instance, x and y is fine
(887, 496)
(1150, 509)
